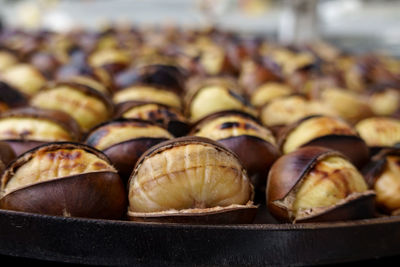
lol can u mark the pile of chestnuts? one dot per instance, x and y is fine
(195, 126)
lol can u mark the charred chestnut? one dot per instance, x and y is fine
(64, 179)
(11, 97)
(86, 105)
(168, 117)
(124, 141)
(317, 184)
(190, 179)
(255, 145)
(325, 131)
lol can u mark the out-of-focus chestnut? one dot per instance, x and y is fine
(317, 184)
(112, 59)
(214, 98)
(325, 131)
(385, 101)
(46, 63)
(91, 82)
(285, 110)
(11, 97)
(64, 179)
(148, 94)
(347, 104)
(26, 128)
(7, 155)
(7, 59)
(382, 175)
(86, 105)
(379, 132)
(269, 91)
(125, 140)
(253, 144)
(190, 179)
(25, 78)
(168, 117)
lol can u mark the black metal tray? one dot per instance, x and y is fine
(102, 242)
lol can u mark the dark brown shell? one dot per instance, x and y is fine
(352, 146)
(92, 195)
(11, 96)
(289, 170)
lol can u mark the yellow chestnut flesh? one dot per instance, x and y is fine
(329, 182)
(7, 60)
(379, 131)
(269, 91)
(387, 185)
(108, 56)
(90, 83)
(32, 129)
(314, 128)
(149, 94)
(49, 165)
(188, 177)
(24, 77)
(117, 133)
(212, 59)
(385, 103)
(212, 99)
(151, 112)
(229, 126)
(286, 110)
(85, 109)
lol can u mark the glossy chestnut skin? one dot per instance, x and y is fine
(240, 132)
(11, 97)
(168, 117)
(197, 212)
(22, 140)
(125, 151)
(340, 137)
(381, 174)
(289, 173)
(94, 194)
(7, 155)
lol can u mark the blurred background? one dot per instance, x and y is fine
(353, 25)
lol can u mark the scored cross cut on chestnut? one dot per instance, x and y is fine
(317, 184)
(65, 179)
(325, 131)
(190, 180)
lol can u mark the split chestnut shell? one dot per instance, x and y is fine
(64, 179)
(190, 179)
(317, 184)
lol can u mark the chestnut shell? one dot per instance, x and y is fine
(291, 168)
(92, 195)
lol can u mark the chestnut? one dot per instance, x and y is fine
(385, 101)
(168, 117)
(7, 155)
(149, 94)
(255, 145)
(214, 98)
(268, 91)
(86, 105)
(112, 59)
(64, 179)
(325, 131)
(317, 184)
(382, 175)
(25, 78)
(192, 180)
(90, 81)
(29, 127)
(348, 105)
(125, 140)
(46, 63)
(379, 132)
(7, 60)
(11, 97)
(285, 110)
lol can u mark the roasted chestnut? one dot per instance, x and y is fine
(317, 184)
(168, 117)
(124, 141)
(65, 179)
(112, 59)
(382, 175)
(190, 179)
(379, 132)
(325, 131)
(148, 94)
(385, 101)
(25, 78)
(46, 63)
(7, 59)
(11, 97)
(7, 154)
(86, 105)
(215, 98)
(26, 128)
(269, 91)
(285, 110)
(91, 82)
(255, 145)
